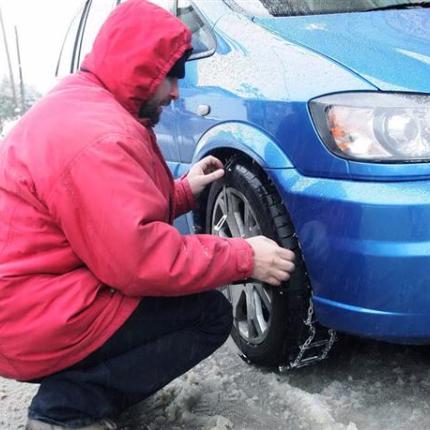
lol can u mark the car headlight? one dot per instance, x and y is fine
(386, 127)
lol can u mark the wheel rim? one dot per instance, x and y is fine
(252, 302)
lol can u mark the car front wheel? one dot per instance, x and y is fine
(269, 322)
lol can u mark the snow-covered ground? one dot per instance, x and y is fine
(362, 386)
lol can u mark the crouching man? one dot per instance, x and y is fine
(102, 300)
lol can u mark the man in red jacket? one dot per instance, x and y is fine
(102, 300)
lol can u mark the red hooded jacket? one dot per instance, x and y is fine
(87, 204)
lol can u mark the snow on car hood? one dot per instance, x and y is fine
(390, 49)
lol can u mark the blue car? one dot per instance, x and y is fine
(320, 111)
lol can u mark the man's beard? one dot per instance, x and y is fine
(150, 110)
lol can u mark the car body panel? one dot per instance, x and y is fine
(279, 107)
(390, 49)
(212, 11)
(362, 227)
(246, 139)
(367, 250)
(396, 327)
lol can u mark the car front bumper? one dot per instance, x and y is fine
(366, 246)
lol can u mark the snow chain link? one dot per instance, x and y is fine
(320, 349)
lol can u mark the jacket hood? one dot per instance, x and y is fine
(389, 49)
(135, 49)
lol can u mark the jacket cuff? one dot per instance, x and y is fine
(191, 201)
(184, 199)
(244, 257)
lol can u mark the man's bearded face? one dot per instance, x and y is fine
(165, 93)
(152, 111)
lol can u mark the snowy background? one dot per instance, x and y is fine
(41, 26)
(362, 386)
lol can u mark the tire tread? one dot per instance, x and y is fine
(294, 296)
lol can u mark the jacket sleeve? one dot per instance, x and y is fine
(184, 199)
(112, 214)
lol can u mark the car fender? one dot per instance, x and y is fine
(244, 138)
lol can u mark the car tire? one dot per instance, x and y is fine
(269, 322)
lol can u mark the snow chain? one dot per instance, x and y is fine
(311, 352)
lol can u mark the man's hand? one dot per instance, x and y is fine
(272, 264)
(203, 173)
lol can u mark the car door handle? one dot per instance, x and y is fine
(203, 110)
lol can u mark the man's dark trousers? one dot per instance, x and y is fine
(161, 340)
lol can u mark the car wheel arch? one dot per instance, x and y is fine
(245, 142)
(226, 155)
(245, 138)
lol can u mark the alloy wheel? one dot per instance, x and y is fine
(233, 216)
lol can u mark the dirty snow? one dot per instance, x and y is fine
(364, 385)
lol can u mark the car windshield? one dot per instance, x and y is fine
(314, 7)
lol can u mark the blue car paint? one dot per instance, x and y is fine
(279, 108)
(367, 250)
(390, 49)
(363, 227)
(245, 138)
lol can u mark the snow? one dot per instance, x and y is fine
(364, 385)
